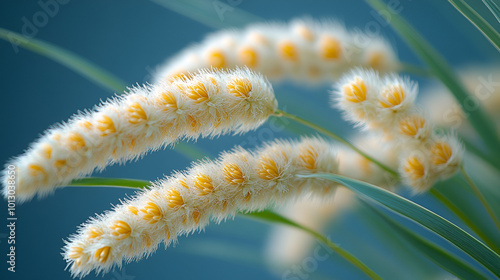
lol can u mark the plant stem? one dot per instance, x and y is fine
(280, 113)
(480, 196)
(462, 216)
(81, 66)
(270, 216)
(346, 255)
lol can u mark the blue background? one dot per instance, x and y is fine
(129, 38)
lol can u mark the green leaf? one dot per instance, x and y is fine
(272, 217)
(426, 218)
(478, 118)
(409, 262)
(493, 7)
(110, 182)
(66, 58)
(459, 203)
(438, 255)
(489, 32)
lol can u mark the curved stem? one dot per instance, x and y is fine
(332, 135)
(276, 218)
(346, 255)
(463, 217)
(480, 196)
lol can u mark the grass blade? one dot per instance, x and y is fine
(66, 58)
(478, 118)
(111, 182)
(472, 224)
(438, 255)
(489, 32)
(272, 217)
(426, 218)
(88, 70)
(493, 7)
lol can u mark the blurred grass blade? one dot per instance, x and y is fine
(464, 216)
(111, 182)
(216, 14)
(190, 151)
(449, 231)
(66, 58)
(410, 262)
(438, 255)
(493, 7)
(88, 70)
(479, 120)
(272, 217)
(489, 32)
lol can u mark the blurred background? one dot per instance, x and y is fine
(129, 39)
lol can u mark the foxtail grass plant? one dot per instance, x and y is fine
(220, 86)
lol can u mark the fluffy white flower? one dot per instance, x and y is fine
(209, 103)
(385, 106)
(185, 202)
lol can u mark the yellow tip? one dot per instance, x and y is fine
(355, 91)
(197, 92)
(174, 198)
(249, 57)
(136, 114)
(441, 153)
(308, 156)
(151, 212)
(75, 141)
(121, 230)
(203, 183)
(216, 58)
(106, 126)
(392, 96)
(240, 87)
(288, 51)
(414, 168)
(102, 254)
(411, 126)
(268, 169)
(233, 174)
(75, 252)
(330, 48)
(95, 233)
